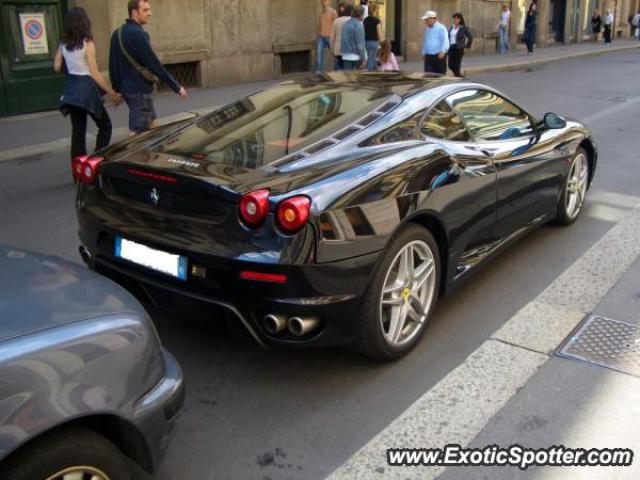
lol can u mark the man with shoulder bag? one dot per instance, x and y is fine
(135, 70)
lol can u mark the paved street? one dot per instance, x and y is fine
(257, 414)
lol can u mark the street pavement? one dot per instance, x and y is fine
(485, 372)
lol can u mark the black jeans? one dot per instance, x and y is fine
(455, 60)
(79, 130)
(607, 34)
(433, 64)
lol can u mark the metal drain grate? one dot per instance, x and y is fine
(295, 62)
(186, 74)
(607, 343)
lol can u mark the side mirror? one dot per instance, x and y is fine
(552, 121)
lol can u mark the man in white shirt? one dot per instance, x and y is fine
(503, 29)
(608, 25)
(636, 24)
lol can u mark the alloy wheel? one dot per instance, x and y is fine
(80, 473)
(407, 293)
(577, 186)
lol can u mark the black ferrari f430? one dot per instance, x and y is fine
(333, 209)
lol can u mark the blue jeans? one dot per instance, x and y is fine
(372, 54)
(503, 34)
(321, 44)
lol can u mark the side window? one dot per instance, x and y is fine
(442, 122)
(400, 132)
(489, 116)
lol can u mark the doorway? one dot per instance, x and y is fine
(391, 17)
(29, 38)
(557, 11)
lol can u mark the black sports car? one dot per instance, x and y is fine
(332, 209)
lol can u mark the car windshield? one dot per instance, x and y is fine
(270, 124)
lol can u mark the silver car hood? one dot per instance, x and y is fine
(40, 292)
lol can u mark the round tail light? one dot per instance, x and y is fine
(293, 213)
(77, 166)
(254, 207)
(85, 168)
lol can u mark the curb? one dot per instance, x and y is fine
(120, 133)
(510, 67)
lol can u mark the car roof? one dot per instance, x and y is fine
(404, 84)
(39, 292)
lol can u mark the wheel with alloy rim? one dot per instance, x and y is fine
(79, 473)
(575, 189)
(70, 454)
(401, 295)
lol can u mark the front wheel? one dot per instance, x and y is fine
(69, 454)
(401, 295)
(575, 190)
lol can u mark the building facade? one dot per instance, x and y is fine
(216, 42)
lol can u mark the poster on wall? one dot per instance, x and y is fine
(34, 33)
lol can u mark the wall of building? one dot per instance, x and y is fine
(241, 40)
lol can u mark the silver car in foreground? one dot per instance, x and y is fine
(86, 389)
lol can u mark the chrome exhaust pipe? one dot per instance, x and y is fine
(274, 324)
(300, 326)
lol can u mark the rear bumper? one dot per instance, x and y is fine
(157, 412)
(329, 292)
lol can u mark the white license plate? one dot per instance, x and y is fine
(174, 265)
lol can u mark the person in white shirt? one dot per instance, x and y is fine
(365, 4)
(608, 25)
(336, 35)
(503, 29)
(636, 23)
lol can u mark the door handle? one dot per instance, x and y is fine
(484, 150)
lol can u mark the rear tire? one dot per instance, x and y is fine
(68, 451)
(574, 189)
(401, 296)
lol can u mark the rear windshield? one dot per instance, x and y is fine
(268, 125)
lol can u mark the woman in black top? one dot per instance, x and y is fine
(459, 38)
(596, 25)
(372, 36)
(530, 27)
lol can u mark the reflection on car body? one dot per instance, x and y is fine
(377, 192)
(85, 385)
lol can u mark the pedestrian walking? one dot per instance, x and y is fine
(596, 25)
(352, 44)
(530, 24)
(459, 38)
(365, 4)
(336, 34)
(435, 44)
(387, 59)
(135, 69)
(372, 36)
(636, 24)
(325, 26)
(503, 29)
(608, 25)
(83, 91)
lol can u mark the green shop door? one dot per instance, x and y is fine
(29, 38)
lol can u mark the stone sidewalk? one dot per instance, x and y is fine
(551, 376)
(36, 134)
